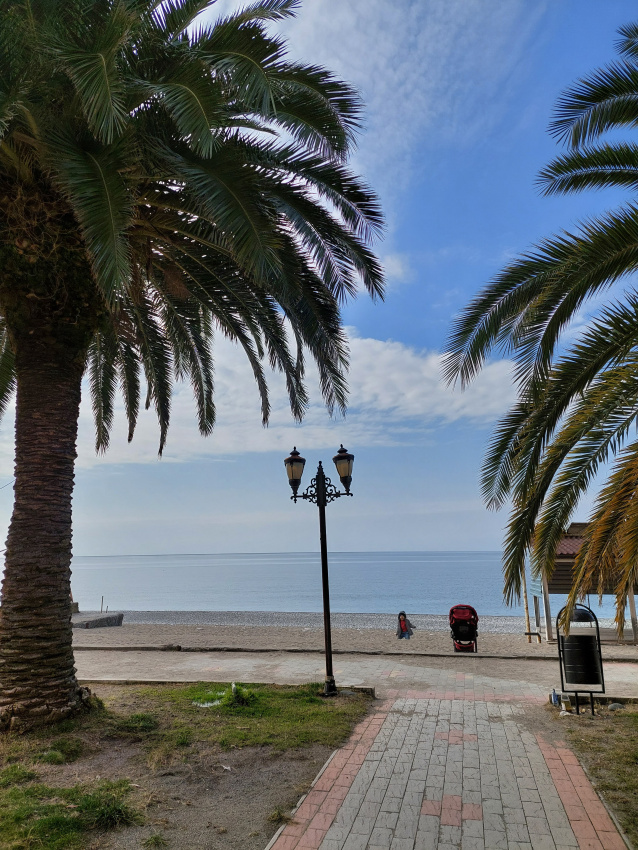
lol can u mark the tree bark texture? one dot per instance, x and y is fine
(51, 310)
(37, 673)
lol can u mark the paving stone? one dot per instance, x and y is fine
(472, 829)
(493, 822)
(400, 844)
(429, 823)
(542, 842)
(362, 825)
(449, 834)
(469, 842)
(408, 822)
(387, 820)
(433, 766)
(380, 837)
(514, 815)
(426, 841)
(493, 807)
(355, 842)
(391, 804)
(495, 840)
(517, 832)
(564, 836)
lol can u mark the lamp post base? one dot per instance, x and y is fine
(329, 687)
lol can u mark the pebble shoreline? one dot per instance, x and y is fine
(313, 620)
(267, 631)
(497, 625)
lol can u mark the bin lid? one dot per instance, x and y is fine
(582, 614)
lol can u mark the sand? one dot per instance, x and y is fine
(251, 631)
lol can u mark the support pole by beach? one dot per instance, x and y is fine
(528, 628)
(632, 614)
(321, 491)
(329, 686)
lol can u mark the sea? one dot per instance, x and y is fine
(360, 583)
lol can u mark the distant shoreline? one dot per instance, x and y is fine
(313, 620)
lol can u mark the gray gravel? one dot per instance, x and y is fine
(308, 620)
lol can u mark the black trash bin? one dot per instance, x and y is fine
(580, 657)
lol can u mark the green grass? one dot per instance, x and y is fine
(62, 751)
(166, 723)
(155, 840)
(135, 723)
(260, 715)
(15, 774)
(38, 816)
(608, 747)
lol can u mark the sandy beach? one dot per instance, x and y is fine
(501, 637)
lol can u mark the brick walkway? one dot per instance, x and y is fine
(450, 770)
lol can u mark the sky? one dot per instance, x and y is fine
(458, 96)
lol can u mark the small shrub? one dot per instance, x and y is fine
(238, 697)
(155, 840)
(105, 808)
(279, 816)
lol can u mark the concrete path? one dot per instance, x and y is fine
(447, 759)
(511, 676)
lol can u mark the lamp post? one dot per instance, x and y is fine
(321, 492)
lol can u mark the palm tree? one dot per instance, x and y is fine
(161, 180)
(577, 398)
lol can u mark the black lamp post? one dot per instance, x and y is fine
(322, 491)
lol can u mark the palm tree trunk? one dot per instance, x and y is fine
(37, 673)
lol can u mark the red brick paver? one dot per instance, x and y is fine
(588, 817)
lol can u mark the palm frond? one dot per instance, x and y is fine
(98, 194)
(591, 168)
(267, 10)
(627, 44)
(527, 306)
(610, 548)
(88, 53)
(606, 99)
(102, 370)
(129, 363)
(173, 17)
(7, 371)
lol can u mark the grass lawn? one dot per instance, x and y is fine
(608, 748)
(42, 805)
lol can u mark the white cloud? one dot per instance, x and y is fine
(397, 397)
(397, 269)
(431, 73)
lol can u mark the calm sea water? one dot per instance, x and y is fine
(360, 582)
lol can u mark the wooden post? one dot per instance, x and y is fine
(526, 605)
(549, 635)
(537, 616)
(632, 613)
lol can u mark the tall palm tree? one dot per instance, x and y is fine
(577, 398)
(161, 180)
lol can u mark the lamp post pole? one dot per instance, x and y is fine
(322, 491)
(329, 687)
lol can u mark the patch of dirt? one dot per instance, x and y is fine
(206, 798)
(200, 803)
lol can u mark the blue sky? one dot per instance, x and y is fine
(458, 97)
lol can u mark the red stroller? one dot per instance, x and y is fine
(464, 625)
